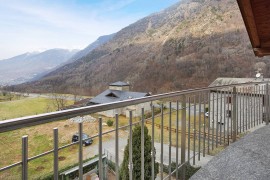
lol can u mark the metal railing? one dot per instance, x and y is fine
(192, 123)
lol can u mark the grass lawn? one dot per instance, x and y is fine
(26, 107)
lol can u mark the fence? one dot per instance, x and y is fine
(232, 110)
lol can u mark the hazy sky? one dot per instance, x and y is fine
(36, 25)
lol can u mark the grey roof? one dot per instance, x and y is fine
(228, 81)
(116, 96)
(119, 83)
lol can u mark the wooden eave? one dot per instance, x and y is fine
(256, 16)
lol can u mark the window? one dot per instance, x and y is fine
(111, 95)
(229, 100)
(228, 113)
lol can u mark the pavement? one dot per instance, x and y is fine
(109, 148)
(246, 159)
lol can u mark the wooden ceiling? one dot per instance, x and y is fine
(256, 15)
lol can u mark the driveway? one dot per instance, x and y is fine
(109, 148)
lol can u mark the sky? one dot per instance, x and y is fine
(38, 25)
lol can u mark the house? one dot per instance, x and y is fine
(120, 91)
(250, 103)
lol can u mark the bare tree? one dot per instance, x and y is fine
(59, 101)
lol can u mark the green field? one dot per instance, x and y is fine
(26, 107)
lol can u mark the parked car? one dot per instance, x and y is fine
(206, 114)
(87, 140)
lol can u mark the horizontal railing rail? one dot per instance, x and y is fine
(17, 123)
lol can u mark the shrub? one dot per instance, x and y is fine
(136, 156)
(110, 122)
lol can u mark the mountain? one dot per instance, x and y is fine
(187, 45)
(99, 42)
(27, 66)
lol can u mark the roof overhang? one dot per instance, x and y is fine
(256, 16)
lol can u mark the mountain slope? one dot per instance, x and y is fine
(24, 67)
(187, 45)
(99, 42)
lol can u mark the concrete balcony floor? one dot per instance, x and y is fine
(248, 158)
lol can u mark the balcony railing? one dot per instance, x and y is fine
(190, 124)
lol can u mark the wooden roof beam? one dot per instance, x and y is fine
(248, 17)
(260, 52)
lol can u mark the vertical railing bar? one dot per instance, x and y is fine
(251, 107)
(220, 124)
(264, 103)
(228, 116)
(153, 143)
(204, 102)
(231, 104)
(199, 146)
(217, 117)
(243, 109)
(170, 139)
(237, 119)
(257, 103)
(250, 111)
(239, 110)
(117, 146)
(177, 136)
(100, 163)
(267, 104)
(24, 157)
(234, 114)
(254, 107)
(213, 120)
(142, 145)
(209, 121)
(130, 147)
(194, 131)
(247, 112)
(80, 151)
(161, 148)
(183, 135)
(224, 114)
(189, 129)
(55, 157)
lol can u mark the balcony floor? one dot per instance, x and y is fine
(248, 158)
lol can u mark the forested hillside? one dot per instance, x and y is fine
(184, 46)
